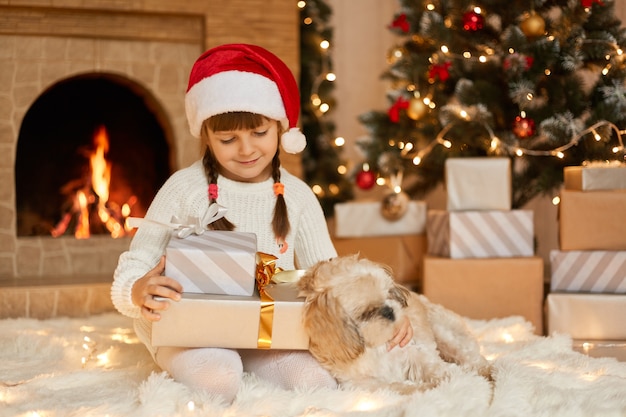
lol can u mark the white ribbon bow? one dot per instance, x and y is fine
(185, 227)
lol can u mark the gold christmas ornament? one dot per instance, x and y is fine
(394, 205)
(417, 109)
(533, 25)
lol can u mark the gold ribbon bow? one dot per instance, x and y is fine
(266, 273)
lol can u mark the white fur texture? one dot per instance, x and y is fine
(41, 371)
(354, 307)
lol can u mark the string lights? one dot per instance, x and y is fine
(499, 147)
(325, 172)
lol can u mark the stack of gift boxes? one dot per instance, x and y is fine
(480, 260)
(360, 227)
(587, 298)
(221, 305)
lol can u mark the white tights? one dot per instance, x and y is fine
(220, 371)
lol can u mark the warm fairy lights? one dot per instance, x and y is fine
(497, 146)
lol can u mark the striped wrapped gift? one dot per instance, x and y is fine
(588, 271)
(215, 262)
(480, 234)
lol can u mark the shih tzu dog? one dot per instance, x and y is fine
(353, 308)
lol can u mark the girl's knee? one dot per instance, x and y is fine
(217, 371)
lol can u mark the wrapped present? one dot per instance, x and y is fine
(587, 316)
(592, 220)
(483, 289)
(478, 183)
(403, 254)
(588, 271)
(270, 319)
(214, 262)
(480, 234)
(595, 177)
(364, 219)
(203, 261)
(601, 348)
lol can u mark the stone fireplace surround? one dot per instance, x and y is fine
(152, 43)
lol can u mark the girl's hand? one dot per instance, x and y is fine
(403, 335)
(154, 284)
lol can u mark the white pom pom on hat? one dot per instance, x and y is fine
(244, 78)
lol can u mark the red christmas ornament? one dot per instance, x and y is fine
(588, 3)
(440, 70)
(401, 23)
(365, 180)
(473, 21)
(523, 127)
(394, 111)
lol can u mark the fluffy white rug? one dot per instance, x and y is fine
(96, 367)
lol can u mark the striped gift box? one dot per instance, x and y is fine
(480, 234)
(588, 271)
(215, 262)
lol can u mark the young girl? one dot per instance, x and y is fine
(242, 102)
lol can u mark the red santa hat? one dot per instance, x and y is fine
(246, 78)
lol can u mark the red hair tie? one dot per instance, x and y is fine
(279, 188)
(212, 191)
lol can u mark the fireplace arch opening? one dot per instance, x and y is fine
(92, 150)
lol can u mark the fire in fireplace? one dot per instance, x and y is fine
(92, 150)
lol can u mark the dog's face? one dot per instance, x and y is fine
(351, 304)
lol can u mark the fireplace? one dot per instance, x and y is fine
(137, 52)
(91, 152)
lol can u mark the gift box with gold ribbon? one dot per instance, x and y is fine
(269, 319)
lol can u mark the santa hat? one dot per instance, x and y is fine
(244, 78)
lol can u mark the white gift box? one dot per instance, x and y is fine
(602, 348)
(364, 219)
(205, 320)
(588, 271)
(215, 262)
(480, 234)
(589, 178)
(587, 316)
(478, 183)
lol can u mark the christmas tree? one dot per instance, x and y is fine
(322, 166)
(539, 81)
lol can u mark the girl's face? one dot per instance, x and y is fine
(245, 154)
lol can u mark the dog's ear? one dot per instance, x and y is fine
(400, 293)
(334, 336)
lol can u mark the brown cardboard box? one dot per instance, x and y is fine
(592, 220)
(402, 253)
(487, 288)
(228, 321)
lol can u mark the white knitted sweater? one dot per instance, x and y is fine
(250, 207)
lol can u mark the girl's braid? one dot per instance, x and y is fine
(211, 171)
(280, 222)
